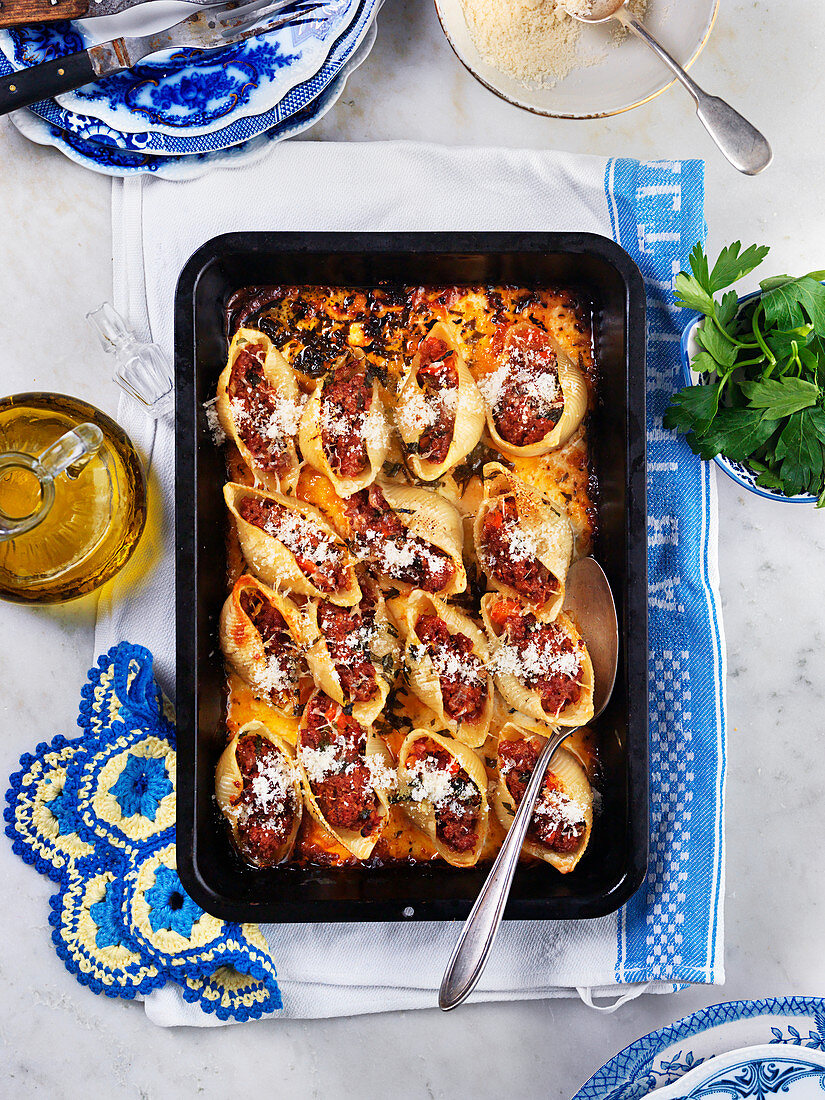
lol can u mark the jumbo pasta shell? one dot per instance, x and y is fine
(244, 649)
(277, 420)
(542, 529)
(570, 778)
(422, 674)
(573, 386)
(422, 811)
(413, 411)
(431, 517)
(379, 762)
(274, 563)
(381, 644)
(229, 788)
(375, 433)
(516, 692)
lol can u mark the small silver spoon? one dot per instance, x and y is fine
(589, 598)
(742, 143)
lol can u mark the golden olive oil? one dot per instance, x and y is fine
(98, 512)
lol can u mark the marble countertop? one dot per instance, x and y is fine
(55, 1037)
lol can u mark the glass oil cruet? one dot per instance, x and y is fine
(72, 498)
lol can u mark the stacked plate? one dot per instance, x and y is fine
(183, 112)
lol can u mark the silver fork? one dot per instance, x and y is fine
(208, 29)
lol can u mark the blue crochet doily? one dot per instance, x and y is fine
(97, 815)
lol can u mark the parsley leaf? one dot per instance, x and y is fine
(733, 265)
(691, 294)
(735, 433)
(781, 397)
(792, 303)
(799, 450)
(693, 408)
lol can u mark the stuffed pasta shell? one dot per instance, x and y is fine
(289, 545)
(542, 669)
(355, 655)
(446, 656)
(346, 773)
(560, 827)
(536, 397)
(258, 791)
(259, 406)
(442, 787)
(409, 535)
(343, 431)
(523, 542)
(264, 637)
(439, 411)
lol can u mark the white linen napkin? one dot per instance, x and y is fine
(347, 969)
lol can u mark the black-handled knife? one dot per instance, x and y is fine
(208, 29)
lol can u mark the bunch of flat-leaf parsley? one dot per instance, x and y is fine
(762, 397)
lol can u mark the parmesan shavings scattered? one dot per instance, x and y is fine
(273, 783)
(430, 783)
(301, 536)
(213, 423)
(532, 662)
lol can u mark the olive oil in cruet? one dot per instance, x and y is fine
(72, 498)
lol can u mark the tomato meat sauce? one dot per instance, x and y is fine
(347, 633)
(457, 809)
(549, 662)
(256, 408)
(381, 538)
(509, 556)
(317, 556)
(438, 378)
(343, 788)
(266, 807)
(557, 822)
(345, 403)
(530, 401)
(461, 674)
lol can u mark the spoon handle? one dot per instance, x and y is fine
(470, 953)
(744, 146)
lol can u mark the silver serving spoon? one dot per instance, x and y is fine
(589, 599)
(742, 143)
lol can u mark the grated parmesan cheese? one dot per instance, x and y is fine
(213, 422)
(533, 41)
(532, 662)
(273, 783)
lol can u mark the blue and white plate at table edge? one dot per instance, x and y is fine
(241, 130)
(667, 1055)
(113, 162)
(753, 1073)
(738, 471)
(197, 94)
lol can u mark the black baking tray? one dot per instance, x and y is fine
(614, 866)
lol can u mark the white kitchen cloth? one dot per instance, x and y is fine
(671, 932)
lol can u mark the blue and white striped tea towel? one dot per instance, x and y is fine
(671, 932)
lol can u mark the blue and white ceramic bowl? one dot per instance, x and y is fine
(116, 162)
(87, 128)
(791, 1028)
(190, 94)
(743, 475)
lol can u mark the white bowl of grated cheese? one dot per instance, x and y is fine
(534, 55)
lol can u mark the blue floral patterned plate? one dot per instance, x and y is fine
(743, 475)
(661, 1060)
(188, 93)
(87, 128)
(115, 162)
